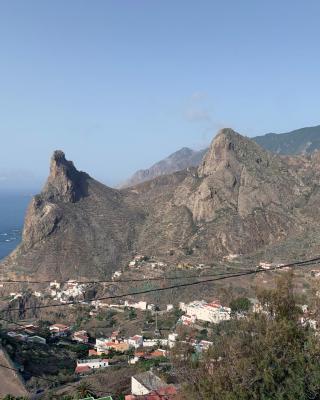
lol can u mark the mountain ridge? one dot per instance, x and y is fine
(240, 199)
(304, 140)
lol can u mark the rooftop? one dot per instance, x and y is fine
(150, 381)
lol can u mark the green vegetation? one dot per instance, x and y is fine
(265, 356)
(83, 390)
(241, 304)
(132, 314)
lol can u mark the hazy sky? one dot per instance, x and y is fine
(120, 84)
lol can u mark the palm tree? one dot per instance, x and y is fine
(83, 390)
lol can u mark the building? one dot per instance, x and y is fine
(210, 312)
(31, 329)
(116, 274)
(172, 338)
(155, 342)
(59, 330)
(145, 383)
(103, 345)
(84, 366)
(205, 344)
(188, 319)
(167, 393)
(18, 336)
(140, 305)
(80, 337)
(135, 341)
(139, 355)
(37, 339)
(100, 398)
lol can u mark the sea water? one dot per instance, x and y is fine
(13, 206)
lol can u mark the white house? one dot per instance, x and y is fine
(172, 339)
(211, 312)
(59, 330)
(188, 319)
(135, 341)
(116, 274)
(80, 336)
(84, 366)
(155, 342)
(140, 305)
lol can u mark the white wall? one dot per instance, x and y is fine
(137, 389)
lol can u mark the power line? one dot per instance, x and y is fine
(234, 275)
(121, 280)
(148, 279)
(45, 379)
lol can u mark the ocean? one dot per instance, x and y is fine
(12, 211)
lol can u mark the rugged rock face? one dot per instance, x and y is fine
(65, 182)
(240, 199)
(74, 227)
(66, 185)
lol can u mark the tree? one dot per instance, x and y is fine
(267, 356)
(132, 313)
(240, 304)
(83, 390)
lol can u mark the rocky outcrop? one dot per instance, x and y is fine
(240, 199)
(65, 182)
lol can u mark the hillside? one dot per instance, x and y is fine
(240, 199)
(181, 159)
(304, 140)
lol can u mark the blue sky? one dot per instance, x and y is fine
(119, 84)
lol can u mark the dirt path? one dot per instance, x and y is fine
(10, 381)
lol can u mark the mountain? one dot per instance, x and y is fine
(240, 199)
(181, 159)
(304, 140)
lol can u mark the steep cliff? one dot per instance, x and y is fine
(240, 199)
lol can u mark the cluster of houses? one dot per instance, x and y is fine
(27, 333)
(62, 292)
(26, 338)
(141, 260)
(69, 290)
(212, 312)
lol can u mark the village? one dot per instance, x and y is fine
(191, 324)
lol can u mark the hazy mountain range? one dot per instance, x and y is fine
(241, 198)
(303, 140)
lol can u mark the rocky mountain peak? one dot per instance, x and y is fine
(230, 150)
(65, 182)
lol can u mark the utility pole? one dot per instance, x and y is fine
(156, 331)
